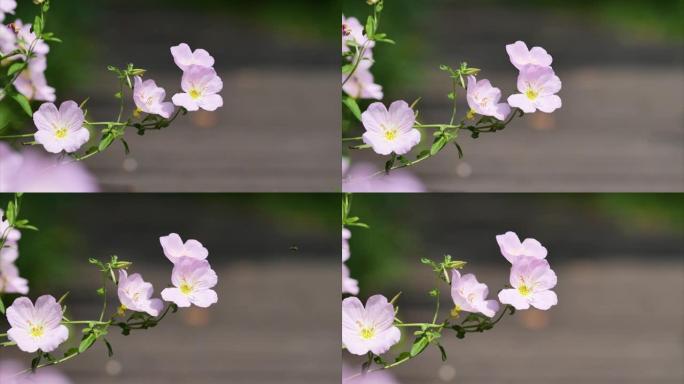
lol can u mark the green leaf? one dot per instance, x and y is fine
(390, 163)
(110, 351)
(86, 343)
(106, 142)
(443, 352)
(419, 346)
(350, 102)
(38, 25)
(2, 306)
(23, 103)
(438, 145)
(16, 67)
(460, 150)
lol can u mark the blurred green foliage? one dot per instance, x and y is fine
(386, 253)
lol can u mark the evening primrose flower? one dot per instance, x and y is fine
(361, 85)
(135, 294)
(352, 31)
(514, 250)
(532, 281)
(36, 327)
(390, 130)
(61, 130)
(469, 295)
(27, 39)
(484, 99)
(192, 280)
(349, 285)
(10, 281)
(346, 235)
(175, 249)
(369, 329)
(8, 40)
(47, 375)
(184, 57)
(149, 98)
(201, 86)
(32, 82)
(538, 87)
(521, 56)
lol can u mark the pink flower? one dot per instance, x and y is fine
(349, 285)
(149, 98)
(401, 180)
(47, 375)
(471, 296)
(32, 82)
(362, 85)
(27, 39)
(201, 86)
(346, 235)
(369, 329)
(521, 56)
(136, 294)
(532, 281)
(32, 170)
(175, 249)
(185, 58)
(350, 376)
(514, 251)
(192, 280)
(8, 40)
(12, 235)
(60, 130)
(36, 327)
(10, 281)
(538, 87)
(390, 131)
(7, 6)
(484, 99)
(352, 31)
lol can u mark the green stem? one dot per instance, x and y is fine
(9, 137)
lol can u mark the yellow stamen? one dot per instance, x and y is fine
(391, 134)
(186, 288)
(61, 133)
(524, 290)
(195, 94)
(531, 94)
(456, 311)
(367, 333)
(37, 331)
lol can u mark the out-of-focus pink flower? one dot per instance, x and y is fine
(33, 84)
(201, 86)
(10, 281)
(35, 171)
(359, 180)
(175, 249)
(349, 285)
(370, 328)
(149, 98)
(390, 130)
(352, 31)
(350, 376)
(521, 56)
(514, 250)
(10, 368)
(61, 130)
(7, 6)
(135, 294)
(13, 235)
(184, 57)
(27, 39)
(469, 295)
(346, 235)
(538, 87)
(532, 281)
(36, 327)
(484, 99)
(8, 40)
(361, 85)
(192, 280)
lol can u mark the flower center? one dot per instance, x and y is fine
(524, 290)
(390, 134)
(531, 94)
(60, 133)
(37, 330)
(186, 288)
(367, 333)
(195, 94)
